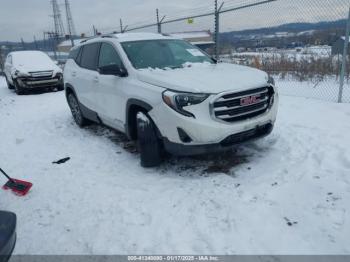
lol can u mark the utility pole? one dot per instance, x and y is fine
(53, 40)
(159, 22)
(23, 45)
(70, 24)
(345, 55)
(159, 26)
(121, 26)
(44, 40)
(35, 43)
(59, 28)
(217, 28)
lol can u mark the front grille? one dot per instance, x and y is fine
(243, 105)
(41, 81)
(40, 74)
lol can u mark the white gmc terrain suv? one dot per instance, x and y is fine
(167, 94)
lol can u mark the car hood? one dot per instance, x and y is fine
(25, 69)
(205, 78)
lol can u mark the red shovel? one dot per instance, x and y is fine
(19, 187)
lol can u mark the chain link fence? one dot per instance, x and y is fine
(299, 42)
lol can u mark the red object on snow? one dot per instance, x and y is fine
(19, 187)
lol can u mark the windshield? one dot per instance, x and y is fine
(163, 54)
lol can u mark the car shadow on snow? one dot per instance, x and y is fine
(206, 165)
(202, 165)
(39, 91)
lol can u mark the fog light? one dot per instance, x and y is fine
(183, 136)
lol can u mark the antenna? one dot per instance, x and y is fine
(59, 29)
(70, 23)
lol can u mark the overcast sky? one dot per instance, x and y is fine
(26, 18)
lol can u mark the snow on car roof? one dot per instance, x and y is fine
(31, 58)
(125, 37)
(128, 37)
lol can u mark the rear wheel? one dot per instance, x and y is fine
(76, 111)
(149, 144)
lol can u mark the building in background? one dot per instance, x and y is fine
(202, 39)
(66, 45)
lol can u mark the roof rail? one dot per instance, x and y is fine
(98, 36)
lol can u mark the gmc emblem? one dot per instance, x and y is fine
(250, 100)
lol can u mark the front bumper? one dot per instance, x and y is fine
(38, 83)
(204, 130)
(226, 144)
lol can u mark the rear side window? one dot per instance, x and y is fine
(89, 56)
(73, 54)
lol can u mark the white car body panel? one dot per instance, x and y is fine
(205, 78)
(107, 95)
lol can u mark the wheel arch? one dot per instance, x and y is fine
(70, 89)
(134, 106)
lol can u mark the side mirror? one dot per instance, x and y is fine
(114, 70)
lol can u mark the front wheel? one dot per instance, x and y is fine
(149, 144)
(19, 90)
(9, 85)
(60, 88)
(76, 111)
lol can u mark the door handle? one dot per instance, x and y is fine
(96, 80)
(74, 74)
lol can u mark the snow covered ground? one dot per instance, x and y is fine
(286, 194)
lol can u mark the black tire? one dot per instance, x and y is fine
(60, 88)
(9, 85)
(76, 111)
(19, 90)
(149, 144)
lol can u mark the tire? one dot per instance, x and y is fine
(19, 90)
(9, 85)
(60, 88)
(150, 146)
(78, 116)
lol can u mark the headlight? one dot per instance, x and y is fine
(178, 101)
(21, 74)
(271, 80)
(59, 75)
